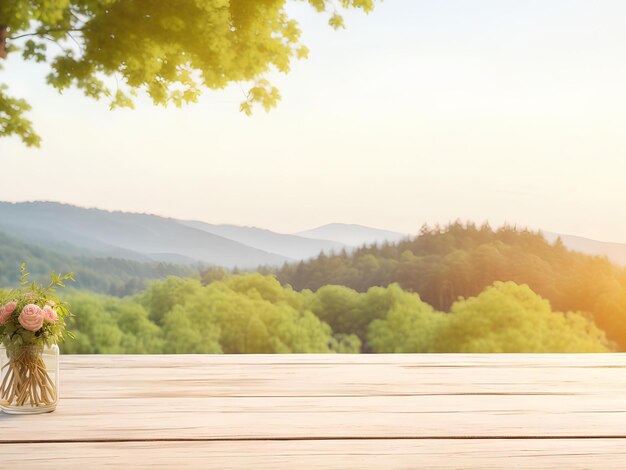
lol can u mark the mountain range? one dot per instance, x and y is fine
(73, 230)
(77, 231)
(293, 247)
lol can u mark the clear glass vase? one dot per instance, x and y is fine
(29, 379)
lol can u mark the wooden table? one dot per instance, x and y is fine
(328, 411)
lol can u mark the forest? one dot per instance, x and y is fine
(460, 288)
(254, 313)
(443, 264)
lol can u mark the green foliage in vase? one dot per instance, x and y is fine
(32, 315)
(169, 49)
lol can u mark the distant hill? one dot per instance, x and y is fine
(93, 233)
(125, 235)
(290, 246)
(616, 252)
(352, 235)
(99, 274)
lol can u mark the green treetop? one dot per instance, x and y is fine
(171, 49)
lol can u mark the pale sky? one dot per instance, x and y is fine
(421, 112)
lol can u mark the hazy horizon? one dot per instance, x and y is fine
(420, 112)
(413, 232)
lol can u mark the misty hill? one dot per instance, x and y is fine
(352, 234)
(74, 231)
(616, 252)
(125, 235)
(105, 275)
(290, 246)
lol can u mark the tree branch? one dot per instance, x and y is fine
(3, 42)
(44, 32)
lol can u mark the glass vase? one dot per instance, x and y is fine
(29, 379)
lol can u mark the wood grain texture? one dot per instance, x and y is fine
(336, 455)
(329, 411)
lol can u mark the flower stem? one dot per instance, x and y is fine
(26, 380)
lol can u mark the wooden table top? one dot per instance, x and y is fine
(328, 411)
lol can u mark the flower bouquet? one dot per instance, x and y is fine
(32, 323)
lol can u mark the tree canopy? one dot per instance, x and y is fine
(169, 49)
(253, 313)
(504, 318)
(443, 264)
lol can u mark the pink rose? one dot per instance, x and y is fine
(31, 317)
(6, 311)
(10, 307)
(49, 314)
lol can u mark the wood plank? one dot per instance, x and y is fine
(432, 360)
(324, 417)
(338, 455)
(319, 375)
(324, 396)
